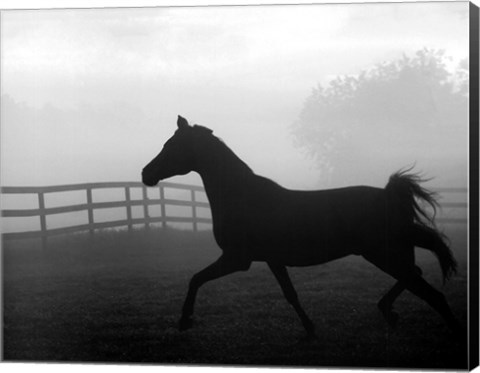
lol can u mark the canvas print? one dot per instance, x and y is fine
(277, 185)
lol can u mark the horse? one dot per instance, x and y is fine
(257, 220)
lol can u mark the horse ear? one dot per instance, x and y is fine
(182, 122)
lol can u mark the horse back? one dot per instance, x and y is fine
(301, 227)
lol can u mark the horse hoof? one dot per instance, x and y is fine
(185, 324)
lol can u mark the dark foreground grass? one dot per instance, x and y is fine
(117, 299)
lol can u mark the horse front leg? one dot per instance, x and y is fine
(222, 267)
(281, 274)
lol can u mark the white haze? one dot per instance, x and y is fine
(91, 95)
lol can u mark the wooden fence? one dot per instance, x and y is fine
(90, 206)
(447, 205)
(128, 203)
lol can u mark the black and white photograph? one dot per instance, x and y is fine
(240, 185)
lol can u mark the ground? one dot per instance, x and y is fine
(117, 298)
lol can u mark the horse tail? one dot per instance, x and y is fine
(431, 239)
(405, 188)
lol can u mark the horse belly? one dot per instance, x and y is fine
(305, 229)
(300, 242)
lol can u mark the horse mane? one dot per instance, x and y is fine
(202, 129)
(220, 144)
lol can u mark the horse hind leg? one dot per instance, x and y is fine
(421, 288)
(425, 238)
(422, 237)
(385, 305)
(281, 274)
(397, 266)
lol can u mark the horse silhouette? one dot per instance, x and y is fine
(255, 219)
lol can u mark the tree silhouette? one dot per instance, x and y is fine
(407, 106)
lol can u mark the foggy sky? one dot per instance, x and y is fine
(92, 95)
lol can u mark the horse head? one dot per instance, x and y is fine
(177, 156)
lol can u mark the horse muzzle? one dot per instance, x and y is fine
(148, 180)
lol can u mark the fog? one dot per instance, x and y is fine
(92, 95)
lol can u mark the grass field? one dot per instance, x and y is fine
(118, 298)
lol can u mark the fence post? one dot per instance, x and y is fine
(90, 212)
(145, 207)
(162, 206)
(129, 208)
(43, 219)
(194, 211)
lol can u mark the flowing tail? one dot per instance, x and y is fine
(406, 188)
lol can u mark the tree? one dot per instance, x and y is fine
(397, 112)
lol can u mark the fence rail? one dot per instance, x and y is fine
(452, 205)
(90, 206)
(128, 203)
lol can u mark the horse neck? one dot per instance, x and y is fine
(222, 172)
